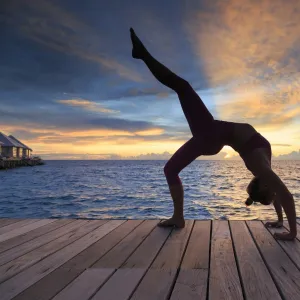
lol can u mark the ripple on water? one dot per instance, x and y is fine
(134, 189)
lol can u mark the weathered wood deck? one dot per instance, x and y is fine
(135, 259)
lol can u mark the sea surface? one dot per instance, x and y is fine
(135, 190)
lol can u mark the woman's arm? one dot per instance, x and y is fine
(278, 208)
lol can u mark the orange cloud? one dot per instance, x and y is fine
(152, 131)
(126, 144)
(252, 107)
(251, 49)
(88, 105)
(237, 40)
(246, 44)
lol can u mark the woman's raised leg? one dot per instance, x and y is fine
(194, 109)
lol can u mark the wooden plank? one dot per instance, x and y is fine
(15, 225)
(116, 256)
(291, 248)
(14, 253)
(112, 240)
(3, 221)
(192, 279)
(257, 282)
(170, 255)
(224, 282)
(125, 280)
(27, 228)
(131, 272)
(158, 280)
(28, 277)
(144, 255)
(53, 283)
(16, 241)
(7, 221)
(197, 252)
(80, 228)
(155, 285)
(84, 286)
(192, 284)
(284, 272)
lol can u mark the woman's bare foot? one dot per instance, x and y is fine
(172, 222)
(138, 49)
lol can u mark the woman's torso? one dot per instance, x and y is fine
(233, 134)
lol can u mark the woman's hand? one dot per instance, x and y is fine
(285, 236)
(276, 224)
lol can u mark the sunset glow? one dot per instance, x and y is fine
(71, 90)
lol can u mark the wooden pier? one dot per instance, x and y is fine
(15, 163)
(81, 259)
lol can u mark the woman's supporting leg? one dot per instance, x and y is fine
(181, 158)
(257, 163)
(193, 107)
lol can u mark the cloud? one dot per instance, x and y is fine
(69, 121)
(150, 132)
(148, 156)
(250, 107)
(72, 156)
(110, 156)
(159, 92)
(88, 105)
(290, 156)
(50, 25)
(67, 71)
(251, 49)
(282, 145)
(234, 49)
(77, 145)
(70, 136)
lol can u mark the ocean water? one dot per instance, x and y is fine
(135, 190)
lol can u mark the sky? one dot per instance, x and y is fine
(70, 89)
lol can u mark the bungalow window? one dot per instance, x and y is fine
(14, 151)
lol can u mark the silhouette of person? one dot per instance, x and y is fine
(209, 137)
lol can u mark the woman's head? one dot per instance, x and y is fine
(259, 192)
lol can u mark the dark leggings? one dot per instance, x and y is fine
(199, 119)
(196, 113)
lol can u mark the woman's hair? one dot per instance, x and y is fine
(258, 192)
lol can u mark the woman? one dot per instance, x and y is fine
(209, 137)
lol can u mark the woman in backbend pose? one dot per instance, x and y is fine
(209, 137)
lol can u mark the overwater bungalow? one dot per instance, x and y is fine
(26, 151)
(13, 148)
